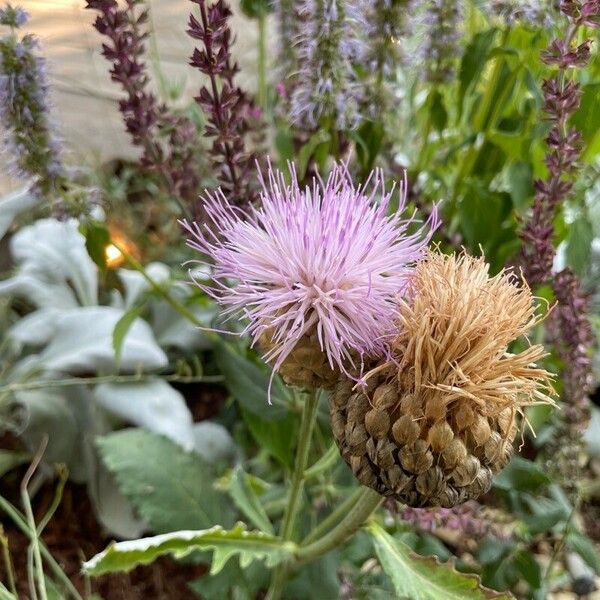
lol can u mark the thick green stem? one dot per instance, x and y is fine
(309, 414)
(366, 504)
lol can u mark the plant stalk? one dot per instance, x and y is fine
(309, 415)
(21, 523)
(367, 502)
(333, 518)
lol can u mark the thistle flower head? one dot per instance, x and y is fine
(465, 321)
(434, 424)
(325, 261)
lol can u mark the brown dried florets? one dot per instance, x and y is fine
(438, 419)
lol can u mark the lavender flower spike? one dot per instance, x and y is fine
(442, 46)
(326, 260)
(325, 85)
(28, 138)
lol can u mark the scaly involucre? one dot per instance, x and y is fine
(454, 334)
(326, 259)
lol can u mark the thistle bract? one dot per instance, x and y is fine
(437, 419)
(315, 268)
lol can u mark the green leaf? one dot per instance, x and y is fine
(587, 118)
(97, 239)
(439, 114)
(579, 245)
(284, 142)
(247, 501)
(582, 545)
(521, 475)
(170, 488)
(276, 437)
(248, 383)
(520, 175)
(232, 583)
(249, 545)
(368, 139)
(420, 578)
(121, 328)
(5, 594)
(255, 8)
(473, 62)
(528, 568)
(320, 138)
(481, 214)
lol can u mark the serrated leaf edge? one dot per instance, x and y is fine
(489, 594)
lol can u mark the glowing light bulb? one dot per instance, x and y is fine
(114, 257)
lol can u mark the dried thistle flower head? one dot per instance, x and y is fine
(437, 419)
(316, 269)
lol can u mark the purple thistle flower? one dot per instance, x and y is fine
(325, 258)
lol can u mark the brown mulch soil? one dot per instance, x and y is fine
(74, 535)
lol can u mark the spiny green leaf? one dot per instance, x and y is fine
(421, 578)
(249, 545)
